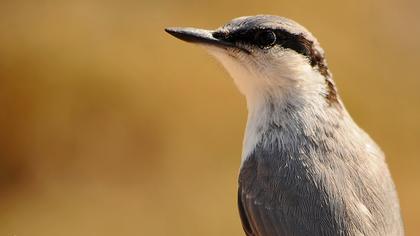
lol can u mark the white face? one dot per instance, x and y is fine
(273, 68)
(274, 71)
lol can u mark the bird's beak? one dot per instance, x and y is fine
(198, 36)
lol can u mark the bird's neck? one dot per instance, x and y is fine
(297, 110)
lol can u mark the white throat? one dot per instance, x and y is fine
(269, 89)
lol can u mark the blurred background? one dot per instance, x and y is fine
(109, 126)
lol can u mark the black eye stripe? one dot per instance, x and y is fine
(284, 39)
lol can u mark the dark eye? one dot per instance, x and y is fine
(265, 39)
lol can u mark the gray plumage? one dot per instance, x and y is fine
(317, 180)
(307, 168)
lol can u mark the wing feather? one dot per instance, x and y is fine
(257, 220)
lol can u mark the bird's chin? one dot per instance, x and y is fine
(232, 61)
(216, 51)
(222, 53)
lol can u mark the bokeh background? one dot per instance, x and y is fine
(109, 126)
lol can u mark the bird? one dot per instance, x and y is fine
(306, 168)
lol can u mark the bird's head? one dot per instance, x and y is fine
(268, 57)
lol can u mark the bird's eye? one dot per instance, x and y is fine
(265, 39)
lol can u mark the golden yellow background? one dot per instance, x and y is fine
(109, 126)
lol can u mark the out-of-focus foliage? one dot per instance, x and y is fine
(108, 126)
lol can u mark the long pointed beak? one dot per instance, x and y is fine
(199, 36)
